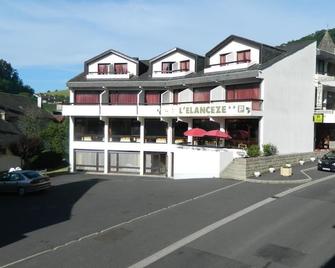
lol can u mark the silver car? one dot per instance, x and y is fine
(23, 181)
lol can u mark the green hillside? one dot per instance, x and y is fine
(317, 36)
(62, 92)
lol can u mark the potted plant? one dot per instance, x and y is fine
(286, 170)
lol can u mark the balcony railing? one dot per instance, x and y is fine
(230, 62)
(171, 71)
(241, 107)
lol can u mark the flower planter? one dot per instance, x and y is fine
(286, 171)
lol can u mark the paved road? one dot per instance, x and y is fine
(56, 224)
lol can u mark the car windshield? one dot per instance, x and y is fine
(31, 174)
(330, 155)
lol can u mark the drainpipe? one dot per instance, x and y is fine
(100, 100)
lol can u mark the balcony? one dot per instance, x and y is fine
(213, 109)
(250, 107)
(96, 75)
(171, 73)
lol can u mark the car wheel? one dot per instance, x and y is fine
(21, 191)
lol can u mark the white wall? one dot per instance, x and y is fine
(232, 48)
(186, 95)
(218, 93)
(112, 59)
(174, 57)
(288, 93)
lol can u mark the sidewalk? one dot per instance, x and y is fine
(298, 175)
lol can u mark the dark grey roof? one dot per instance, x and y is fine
(269, 56)
(176, 49)
(111, 51)
(268, 50)
(327, 43)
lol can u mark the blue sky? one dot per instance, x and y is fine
(48, 41)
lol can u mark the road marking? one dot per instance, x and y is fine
(307, 169)
(120, 224)
(190, 238)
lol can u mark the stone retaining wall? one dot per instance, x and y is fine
(243, 168)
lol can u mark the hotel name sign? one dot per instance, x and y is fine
(207, 109)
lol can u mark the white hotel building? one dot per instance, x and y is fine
(129, 115)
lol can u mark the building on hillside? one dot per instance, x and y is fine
(129, 115)
(324, 116)
(14, 107)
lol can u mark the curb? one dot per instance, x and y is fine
(279, 181)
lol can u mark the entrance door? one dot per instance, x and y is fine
(155, 163)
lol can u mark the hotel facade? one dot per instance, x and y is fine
(129, 115)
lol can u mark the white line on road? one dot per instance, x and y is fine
(120, 224)
(190, 238)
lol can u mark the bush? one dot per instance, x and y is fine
(47, 160)
(253, 151)
(269, 149)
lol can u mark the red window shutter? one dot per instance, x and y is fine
(243, 92)
(102, 68)
(128, 97)
(223, 59)
(87, 97)
(201, 95)
(230, 94)
(114, 98)
(247, 55)
(185, 65)
(153, 97)
(240, 56)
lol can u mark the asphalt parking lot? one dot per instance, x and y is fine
(79, 205)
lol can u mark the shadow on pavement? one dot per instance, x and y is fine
(20, 215)
(330, 263)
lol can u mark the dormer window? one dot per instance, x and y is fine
(103, 68)
(243, 56)
(185, 65)
(120, 68)
(225, 58)
(168, 67)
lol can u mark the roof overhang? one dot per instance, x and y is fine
(325, 55)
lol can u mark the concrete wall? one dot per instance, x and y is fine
(288, 92)
(242, 168)
(218, 93)
(186, 95)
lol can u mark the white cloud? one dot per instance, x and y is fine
(69, 32)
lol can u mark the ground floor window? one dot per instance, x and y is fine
(155, 131)
(243, 132)
(155, 163)
(205, 124)
(124, 162)
(89, 160)
(324, 136)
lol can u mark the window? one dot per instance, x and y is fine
(243, 92)
(242, 131)
(184, 65)
(179, 128)
(243, 56)
(89, 160)
(123, 97)
(86, 97)
(103, 68)
(201, 95)
(124, 130)
(88, 129)
(155, 163)
(124, 162)
(152, 97)
(155, 131)
(321, 67)
(167, 67)
(224, 59)
(120, 68)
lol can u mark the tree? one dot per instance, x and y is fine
(27, 148)
(31, 124)
(10, 81)
(55, 137)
